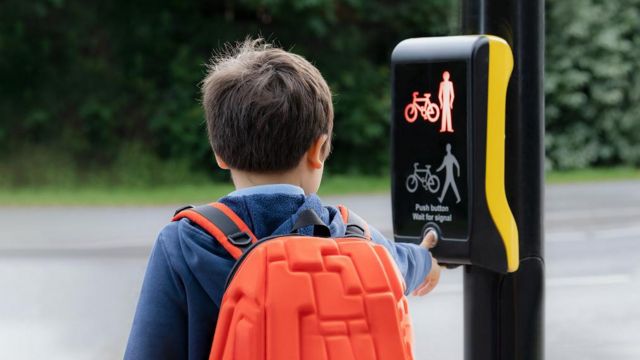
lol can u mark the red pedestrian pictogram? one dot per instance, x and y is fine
(446, 96)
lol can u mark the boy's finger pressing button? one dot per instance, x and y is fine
(430, 239)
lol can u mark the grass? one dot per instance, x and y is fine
(105, 196)
(179, 194)
(593, 175)
(204, 192)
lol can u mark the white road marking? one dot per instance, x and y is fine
(566, 236)
(612, 279)
(621, 232)
(567, 215)
(600, 234)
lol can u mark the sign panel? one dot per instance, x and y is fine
(430, 167)
(448, 134)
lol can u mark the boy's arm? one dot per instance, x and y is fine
(413, 261)
(159, 329)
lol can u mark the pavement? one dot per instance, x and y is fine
(70, 277)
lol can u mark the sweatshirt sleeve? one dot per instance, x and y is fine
(413, 261)
(159, 329)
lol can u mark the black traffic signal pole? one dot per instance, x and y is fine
(504, 314)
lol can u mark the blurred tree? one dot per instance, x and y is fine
(592, 83)
(89, 79)
(85, 83)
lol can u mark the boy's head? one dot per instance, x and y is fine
(269, 115)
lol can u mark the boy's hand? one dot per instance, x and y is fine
(430, 240)
(431, 280)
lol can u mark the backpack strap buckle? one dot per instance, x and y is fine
(240, 239)
(186, 207)
(222, 223)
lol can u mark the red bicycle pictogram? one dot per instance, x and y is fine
(429, 111)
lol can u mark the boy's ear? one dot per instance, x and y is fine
(316, 155)
(223, 165)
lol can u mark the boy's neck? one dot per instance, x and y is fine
(242, 179)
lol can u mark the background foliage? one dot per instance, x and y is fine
(107, 91)
(592, 83)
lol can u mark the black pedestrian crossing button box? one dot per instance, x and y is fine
(448, 137)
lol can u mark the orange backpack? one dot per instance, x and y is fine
(306, 297)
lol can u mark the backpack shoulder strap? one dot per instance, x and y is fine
(354, 223)
(221, 223)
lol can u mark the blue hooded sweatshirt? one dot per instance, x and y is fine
(186, 274)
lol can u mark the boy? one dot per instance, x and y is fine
(269, 116)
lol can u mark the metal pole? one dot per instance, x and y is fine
(504, 314)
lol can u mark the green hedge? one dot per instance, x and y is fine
(592, 83)
(111, 87)
(87, 79)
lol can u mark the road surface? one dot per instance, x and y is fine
(70, 277)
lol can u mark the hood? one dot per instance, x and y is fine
(275, 214)
(266, 215)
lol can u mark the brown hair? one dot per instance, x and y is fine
(264, 106)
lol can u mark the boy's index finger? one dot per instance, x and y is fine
(430, 239)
